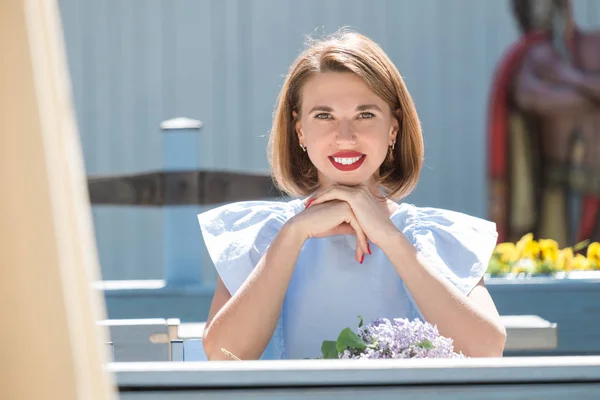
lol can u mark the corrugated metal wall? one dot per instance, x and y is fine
(137, 63)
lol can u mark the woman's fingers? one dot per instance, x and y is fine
(344, 221)
(359, 255)
(347, 229)
(362, 242)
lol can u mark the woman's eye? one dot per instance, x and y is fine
(323, 116)
(366, 115)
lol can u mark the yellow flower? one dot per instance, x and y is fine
(523, 241)
(564, 259)
(580, 263)
(593, 254)
(527, 247)
(506, 252)
(549, 249)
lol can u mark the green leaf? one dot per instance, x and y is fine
(580, 245)
(425, 344)
(545, 268)
(497, 268)
(349, 339)
(328, 348)
(360, 321)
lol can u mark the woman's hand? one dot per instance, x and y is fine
(372, 217)
(330, 219)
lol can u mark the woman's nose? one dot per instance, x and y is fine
(345, 134)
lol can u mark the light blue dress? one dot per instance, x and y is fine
(329, 288)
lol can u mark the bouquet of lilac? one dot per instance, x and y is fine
(382, 338)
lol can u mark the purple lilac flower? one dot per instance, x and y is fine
(401, 338)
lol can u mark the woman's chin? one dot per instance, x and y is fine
(346, 178)
(350, 180)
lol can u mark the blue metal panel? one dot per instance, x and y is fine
(572, 304)
(193, 350)
(180, 228)
(115, 57)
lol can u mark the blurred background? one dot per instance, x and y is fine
(173, 85)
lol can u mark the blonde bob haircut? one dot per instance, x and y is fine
(345, 51)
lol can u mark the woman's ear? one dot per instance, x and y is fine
(398, 115)
(297, 126)
(396, 124)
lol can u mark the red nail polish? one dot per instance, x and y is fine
(310, 202)
(362, 259)
(369, 248)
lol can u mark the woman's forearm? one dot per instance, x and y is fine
(245, 324)
(475, 333)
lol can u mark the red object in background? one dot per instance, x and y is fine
(497, 129)
(589, 215)
(498, 136)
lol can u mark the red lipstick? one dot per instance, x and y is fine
(347, 160)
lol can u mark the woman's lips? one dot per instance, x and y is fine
(347, 161)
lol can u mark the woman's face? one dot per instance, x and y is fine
(346, 128)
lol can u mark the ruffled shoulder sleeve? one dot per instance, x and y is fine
(238, 234)
(458, 245)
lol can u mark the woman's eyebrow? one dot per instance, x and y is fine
(321, 108)
(364, 107)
